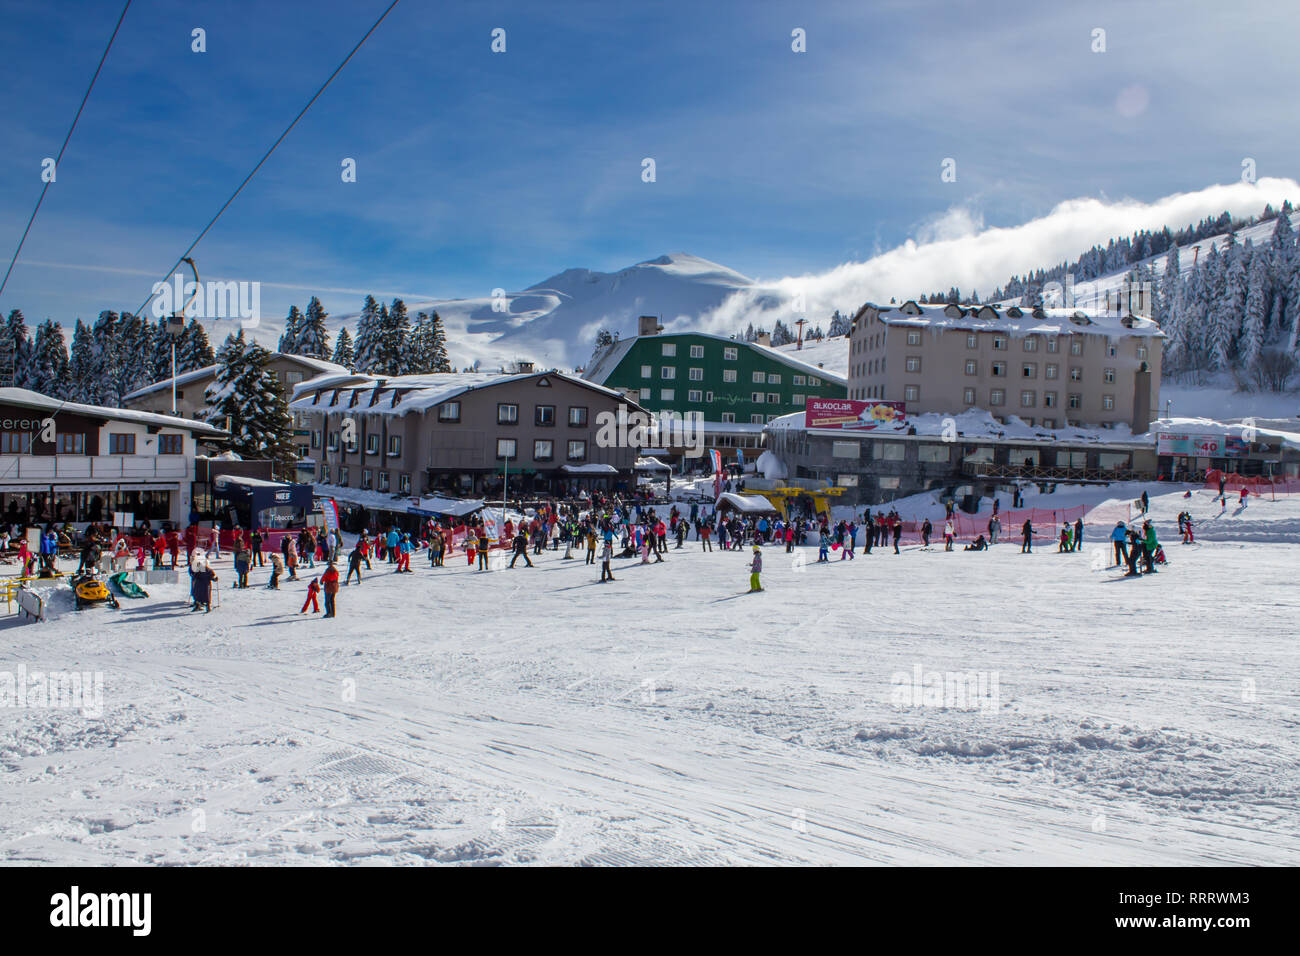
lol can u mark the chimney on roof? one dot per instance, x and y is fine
(648, 325)
(525, 368)
(765, 338)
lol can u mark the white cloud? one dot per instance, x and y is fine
(954, 250)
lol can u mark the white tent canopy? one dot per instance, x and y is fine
(652, 464)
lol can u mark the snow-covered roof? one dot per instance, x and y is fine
(222, 480)
(608, 359)
(650, 463)
(28, 399)
(1247, 431)
(977, 424)
(590, 468)
(456, 507)
(315, 365)
(400, 394)
(1013, 321)
(749, 504)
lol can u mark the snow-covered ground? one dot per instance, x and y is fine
(534, 715)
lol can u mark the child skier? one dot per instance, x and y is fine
(755, 569)
(313, 589)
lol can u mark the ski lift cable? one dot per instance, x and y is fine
(288, 129)
(40, 199)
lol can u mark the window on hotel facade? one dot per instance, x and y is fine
(74, 443)
(577, 450)
(646, 371)
(669, 350)
(911, 393)
(998, 369)
(1027, 399)
(1029, 370)
(1052, 370)
(667, 394)
(343, 475)
(17, 443)
(507, 414)
(1075, 401)
(394, 446)
(729, 354)
(1053, 345)
(578, 416)
(694, 395)
(383, 481)
(696, 375)
(544, 415)
(972, 340)
(506, 448)
(1000, 342)
(119, 444)
(543, 449)
(372, 444)
(756, 419)
(697, 351)
(449, 412)
(167, 444)
(968, 397)
(887, 450)
(1031, 343)
(1108, 376)
(797, 399)
(997, 397)
(972, 367)
(1108, 402)
(1076, 345)
(729, 375)
(797, 380)
(756, 398)
(366, 479)
(914, 337)
(912, 363)
(728, 416)
(932, 453)
(773, 398)
(404, 484)
(668, 371)
(1049, 399)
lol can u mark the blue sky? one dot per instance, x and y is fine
(478, 170)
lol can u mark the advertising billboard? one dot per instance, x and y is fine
(851, 414)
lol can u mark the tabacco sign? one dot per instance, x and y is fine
(850, 414)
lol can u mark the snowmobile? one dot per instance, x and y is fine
(89, 591)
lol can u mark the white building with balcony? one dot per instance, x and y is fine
(67, 462)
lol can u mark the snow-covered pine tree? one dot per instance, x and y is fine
(368, 331)
(131, 366)
(247, 397)
(82, 386)
(15, 352)
(440, 362)
(292, 329)
(160, 351)
(1231, 305)
(194, 351)
(1282, 253)
(395, 329)
(49, 361)
(313, 340)
(1169, 282)
(105, 336)
(343, 352)
(1254, 315)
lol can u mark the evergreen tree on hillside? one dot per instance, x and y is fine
(49, 361)
(1169, 281)
(368, 330)
(313, 340)
(15, 352)
(104, 333)
(1225, 326)
(781, 334)
(130, 368)
(1282, 255)
(247, 397)
(343, 352)
(840, 324)
(160, 351)
(1254, 315)
(292, 329)
(194, 351)
(81, 366)
(441, 363)
(391, 342)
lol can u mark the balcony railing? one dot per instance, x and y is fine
(54, 468)
(983, 469)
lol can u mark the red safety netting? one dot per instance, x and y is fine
(1046, 523)
(1259, 485)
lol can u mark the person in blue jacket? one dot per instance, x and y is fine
(392, 540)
(1119, 537)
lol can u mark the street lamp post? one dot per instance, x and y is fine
(176, 325)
